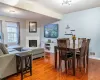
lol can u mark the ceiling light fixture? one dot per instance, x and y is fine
(11, 11)
(68, 2)
(11, 2)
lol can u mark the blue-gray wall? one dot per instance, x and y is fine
(86, 23)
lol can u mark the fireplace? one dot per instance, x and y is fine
(32, 43)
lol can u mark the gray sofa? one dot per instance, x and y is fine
(7, 65)
(8, 60)
(36, 52)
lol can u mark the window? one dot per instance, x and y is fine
(1, 36)
(12, 31)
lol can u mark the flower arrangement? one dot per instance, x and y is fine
(73, 37)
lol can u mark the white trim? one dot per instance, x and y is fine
(94, 58)
(33, 38)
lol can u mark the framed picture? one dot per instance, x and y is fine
(32, 27)
(51, 31)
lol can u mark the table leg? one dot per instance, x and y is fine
(21, 69)
(26, 64)
(87, 61)
(17, 64)
(31, 65)
(74, 62)
(55, 52)
(87, 58)
(59, 60)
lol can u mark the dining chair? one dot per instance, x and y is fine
(80, 55)
(64, 53)
(80, 41)
(87, 50)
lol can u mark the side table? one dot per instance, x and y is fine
(24, 63)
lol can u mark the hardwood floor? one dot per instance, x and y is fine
(43, 69)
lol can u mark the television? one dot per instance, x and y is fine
(51, 31)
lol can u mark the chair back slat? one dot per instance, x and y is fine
(83, 47)
(80, 40)
(62, 45)
(87, 46)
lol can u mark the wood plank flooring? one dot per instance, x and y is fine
(43, 69)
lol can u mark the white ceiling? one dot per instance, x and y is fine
(76, 5)
(24, 14)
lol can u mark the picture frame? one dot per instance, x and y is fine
(32, 27)
(51, 31)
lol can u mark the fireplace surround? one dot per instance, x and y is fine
(33, 38)
(32, 43)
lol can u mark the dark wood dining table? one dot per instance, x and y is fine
(73, 48)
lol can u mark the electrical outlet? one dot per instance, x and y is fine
(92, 53)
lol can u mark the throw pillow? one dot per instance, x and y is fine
(3, 48)
(1, 53)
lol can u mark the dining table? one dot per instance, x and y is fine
(73, 48)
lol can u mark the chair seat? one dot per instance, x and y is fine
(78, 55)
(68, 56)
(78, 52)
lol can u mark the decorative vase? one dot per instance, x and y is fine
(49, 40)
(73, 38)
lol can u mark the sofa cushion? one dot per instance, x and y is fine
(3, 48)
(37, 51)
(1, 53)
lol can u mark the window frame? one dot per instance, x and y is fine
(14, 42)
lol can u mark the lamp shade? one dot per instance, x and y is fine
(11, 2)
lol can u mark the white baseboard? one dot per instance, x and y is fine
(93, 57)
